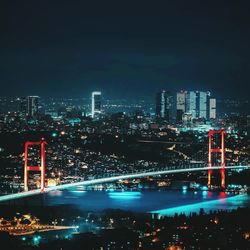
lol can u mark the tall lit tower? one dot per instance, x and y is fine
(164, 102)
(203, 98)
(212, 108)
(32, 106)
(180, 104)
(96, 103)
(197, 103)
(23, 107)
(191, 103)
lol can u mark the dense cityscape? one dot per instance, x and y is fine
(124, 125)
(92, 138)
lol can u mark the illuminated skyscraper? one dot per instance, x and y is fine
(180, 104)
(32, 106)
(203, 101)
(191, 103)
(164, 102)
(212, 108)
(96, 103)
(197, 104)
(22, 107)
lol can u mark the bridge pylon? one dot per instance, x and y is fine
(41, 168)
(220, 150)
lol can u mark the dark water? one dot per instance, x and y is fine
(162, 202)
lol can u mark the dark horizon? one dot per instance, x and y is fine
(124, 50)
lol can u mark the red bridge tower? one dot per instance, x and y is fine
(41, 168)
(220, 150)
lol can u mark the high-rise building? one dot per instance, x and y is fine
(96, 103)
(164, 102)
(203, 100)
(191, 103)
(180, 104)
(197, 104)
(32, 106)
(23, 107)
(212, 108)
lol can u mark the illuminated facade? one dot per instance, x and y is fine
(212, 108)
(191, 103)
(180, 104)
(202, 109)
(96, 103)
(197, 103)
(32, 106)
(164, 102)
(23, 107)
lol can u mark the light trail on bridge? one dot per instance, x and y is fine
(170, 142)
(111, 179)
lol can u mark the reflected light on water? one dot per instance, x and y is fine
(55, 193)
(124, 195)
(221, 203)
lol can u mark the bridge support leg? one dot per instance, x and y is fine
(223, 182)
(41, 168)
(26, 167)
(220, 150)
(223, 178)
(43, 165)
(209, 178)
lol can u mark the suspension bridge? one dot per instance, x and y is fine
(168, 170)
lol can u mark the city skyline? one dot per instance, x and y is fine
(124, 125)
(127, 50)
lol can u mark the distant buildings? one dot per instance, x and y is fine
(189, 105)
(32, 106)
(180, 105)
(212, 108)
(164, 103)
(28, 106)
(96, 103)
(198, 104)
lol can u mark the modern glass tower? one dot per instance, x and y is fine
(164, 102)
(96, 103)
(32, 106)
(203, 104)
(191, 103)
(212, 108)
(180, 104)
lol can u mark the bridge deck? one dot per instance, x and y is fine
(111, 179)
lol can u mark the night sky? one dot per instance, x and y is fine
(127, 49)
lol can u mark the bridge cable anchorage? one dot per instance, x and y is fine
(218, 150)
(41, 168)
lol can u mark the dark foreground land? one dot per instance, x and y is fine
(115, 229)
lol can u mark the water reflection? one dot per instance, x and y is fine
(222, 203)
(125, 195)
(164, 202)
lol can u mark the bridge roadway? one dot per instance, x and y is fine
(111, 179)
